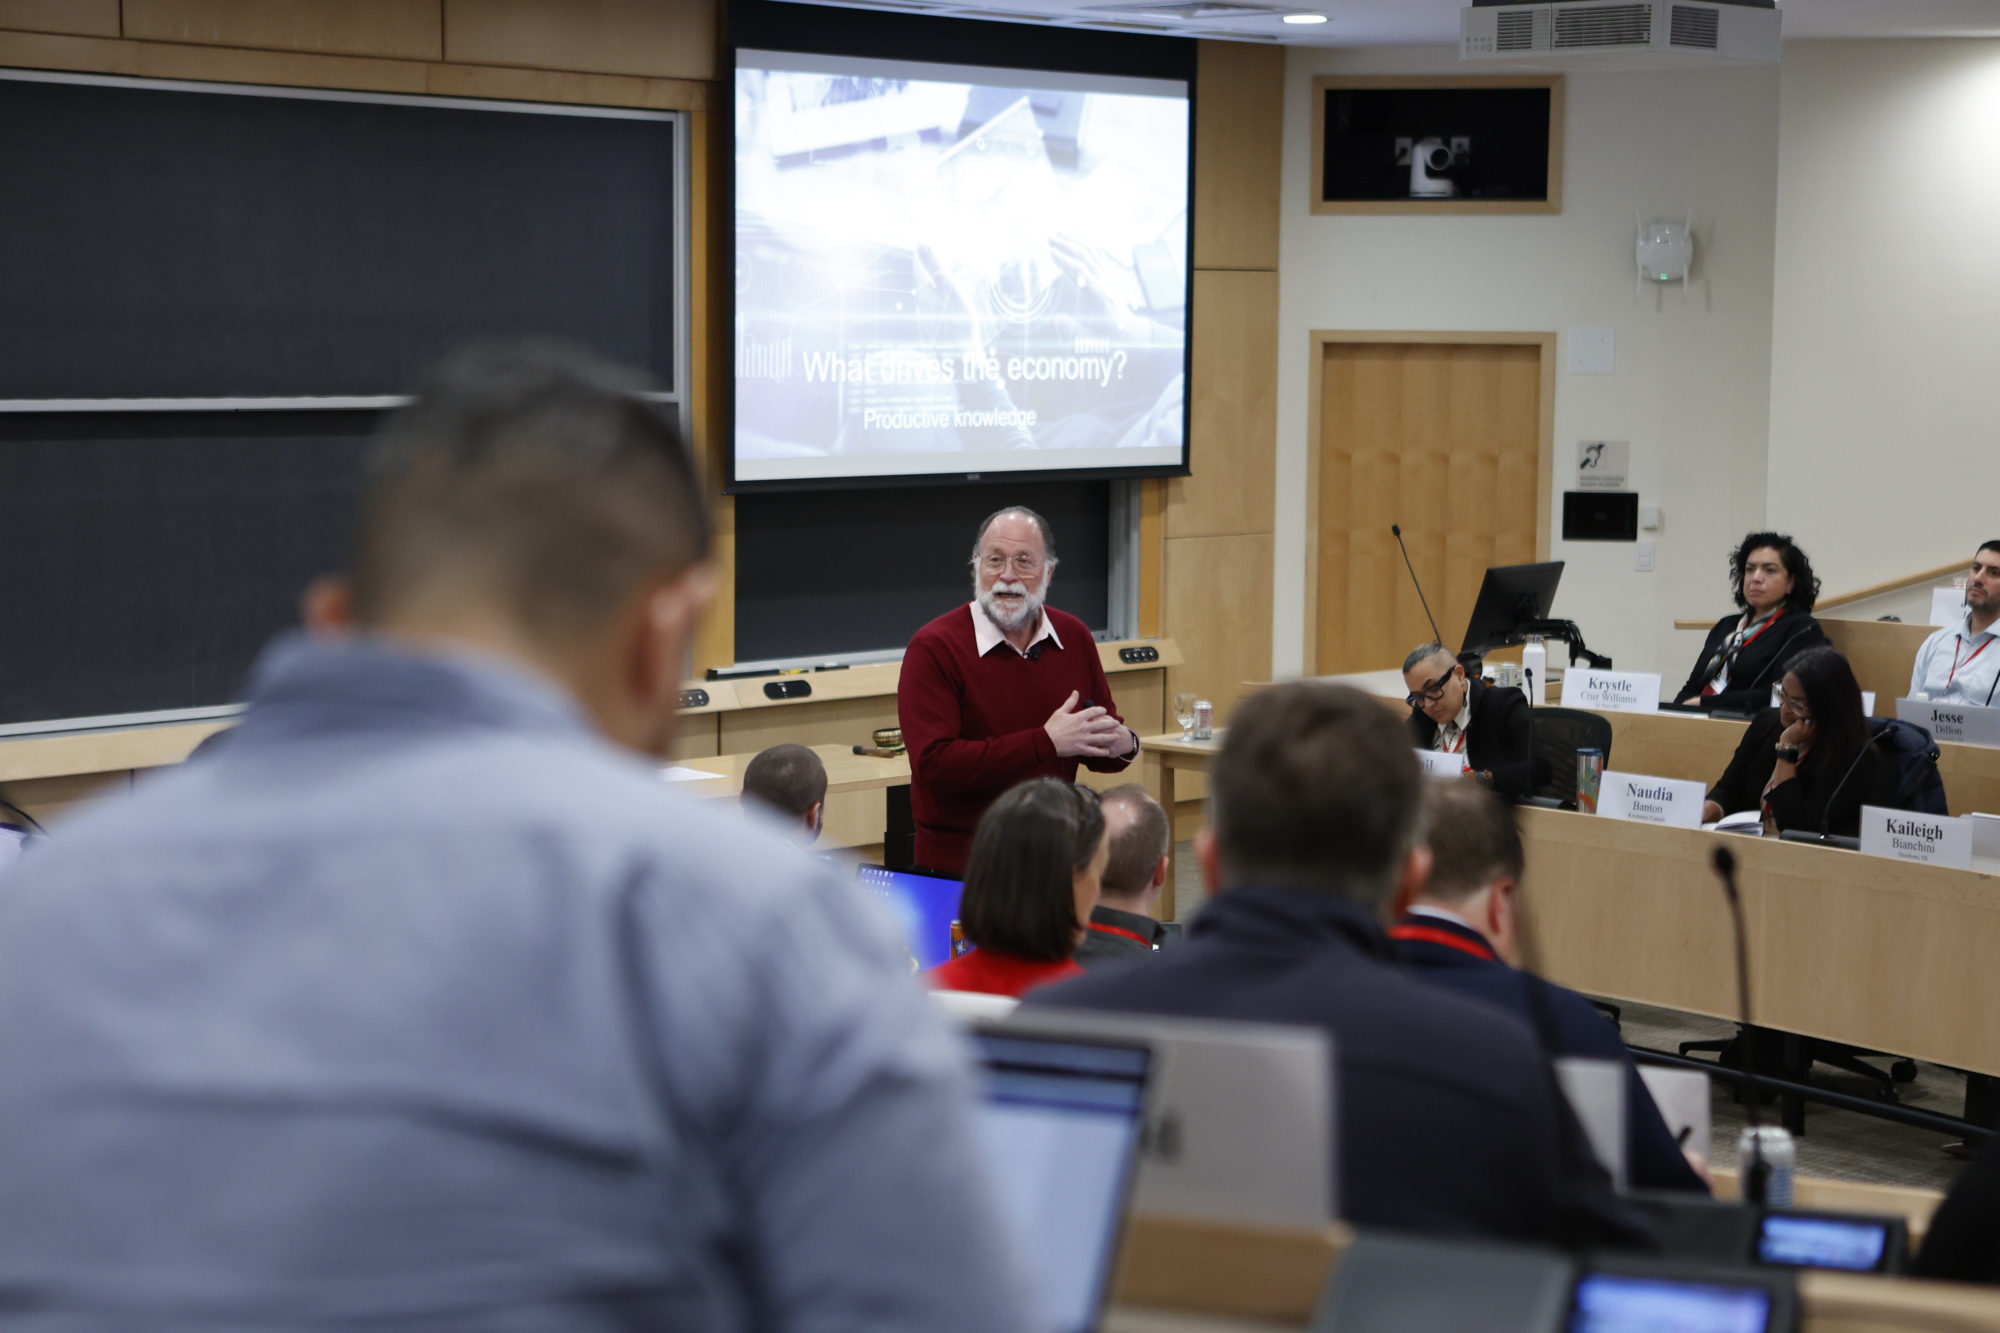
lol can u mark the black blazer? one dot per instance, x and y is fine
(1801, 803)
(1566, 1023)
(1759, 665)
(1498, 740)
(1448, 1121)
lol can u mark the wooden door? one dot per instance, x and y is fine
(1445, 439)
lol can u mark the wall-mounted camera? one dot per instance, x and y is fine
(1433, 162)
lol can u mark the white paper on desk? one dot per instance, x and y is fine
(1682, 1096)
(675, 773)
(1611, 691)
(1438, 764)
(1743, 821)
(1674, 802)
(1932, 840)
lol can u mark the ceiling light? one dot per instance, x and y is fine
(1305, 18)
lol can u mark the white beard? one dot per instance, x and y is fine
(1031, 606)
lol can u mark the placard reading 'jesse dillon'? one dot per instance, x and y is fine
(1611, 691)
(1651, 800)
(1967, 724)
(1932, 840)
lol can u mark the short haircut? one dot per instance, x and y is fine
(1993, 545)
(1473, 839)
(1425, 653)
(532, 474)
(1021, 511)
(1020, 887)
(1137, 846)
(788, 778)
(1316, 787)
(1805, 583)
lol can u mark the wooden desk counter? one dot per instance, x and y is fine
(1852, 948)
(846, 772)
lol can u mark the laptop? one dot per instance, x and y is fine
(923, 905)
(1060, 1122)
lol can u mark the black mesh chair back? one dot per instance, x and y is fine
(1559, 734)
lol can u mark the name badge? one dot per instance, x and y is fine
(1611, 691)
(1438, 764)
(1965, 724)
(1931, 840)
(1947, 606)
(1669, 801)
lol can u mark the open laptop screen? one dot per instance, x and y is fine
(1061, 1123)
(1623, 1303)
(923, 905)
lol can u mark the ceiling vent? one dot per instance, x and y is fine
(1632, 33)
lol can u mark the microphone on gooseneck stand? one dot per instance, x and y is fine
(1397, 529)
(1761, 1142)
(1826, 815)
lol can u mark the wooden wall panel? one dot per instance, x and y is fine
(670, 39)
(1219, 588)
(1239, 141)
(398, 29)
(85, 18)
(1234, 409)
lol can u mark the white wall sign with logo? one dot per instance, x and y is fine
(1438, 764)
(1947, 606)
(1602, 465)
(1932, 840)
(1611, 691)
(1670, 801)
(1966, 724)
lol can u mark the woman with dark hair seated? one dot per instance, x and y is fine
(1775, 585)
(1033, 877)
(1793, 757)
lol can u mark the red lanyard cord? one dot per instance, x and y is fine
(1432, 935)
(1101, 928)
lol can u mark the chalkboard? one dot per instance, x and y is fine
(826, 572)
(193, 244)
(148, 556)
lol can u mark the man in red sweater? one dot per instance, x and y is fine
(1001, 690)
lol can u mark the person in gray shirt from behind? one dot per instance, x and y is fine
(423, 1004)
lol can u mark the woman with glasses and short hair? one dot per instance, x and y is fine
(1036, 871)
(1488, 725)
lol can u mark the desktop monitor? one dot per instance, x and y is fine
(1511, 598)
(1060, 1122)
(1855, 1242)
(923, 905)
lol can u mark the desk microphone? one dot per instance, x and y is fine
(1757, 1171)
(1826, 815)
(1397, 528)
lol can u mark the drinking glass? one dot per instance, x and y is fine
(1184, 714)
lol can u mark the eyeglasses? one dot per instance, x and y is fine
(1021, 564)
(1430, 693)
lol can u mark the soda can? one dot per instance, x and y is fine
(1204, 720)
(1589, 776)
(1775, 1145)
(959, 944)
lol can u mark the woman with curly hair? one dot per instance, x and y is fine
(1746, 653)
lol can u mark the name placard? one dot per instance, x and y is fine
(1635, 796)
(1438, 764)
(1967, 724)
(1931, 840)
(1611, 691)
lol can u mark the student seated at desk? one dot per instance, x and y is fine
(1954, 665)
(1775, 585)
(1461, 931)
(1449, 1120)
(788, 781)
(1488, 724)
(1033, 879)
(1793, 757)
(1125, 923)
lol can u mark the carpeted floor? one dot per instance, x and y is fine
(1841, 1144)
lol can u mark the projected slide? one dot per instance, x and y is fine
(943, 269)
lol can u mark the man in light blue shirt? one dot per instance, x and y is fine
(1959, 664)
(420, 1003)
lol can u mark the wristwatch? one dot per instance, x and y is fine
(1787, 753)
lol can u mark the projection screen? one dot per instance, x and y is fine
(955, 270)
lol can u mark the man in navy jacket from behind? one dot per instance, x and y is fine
(1448, 1117)
(1462, 932)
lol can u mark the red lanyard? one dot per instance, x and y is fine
(1457, 745)
(1432, 935)
(1120, 930)
(1958, 643)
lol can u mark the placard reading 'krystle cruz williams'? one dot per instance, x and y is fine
(1611, 691)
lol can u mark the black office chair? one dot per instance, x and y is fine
(1559, 734)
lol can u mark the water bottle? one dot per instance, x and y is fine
(1775, 1145)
